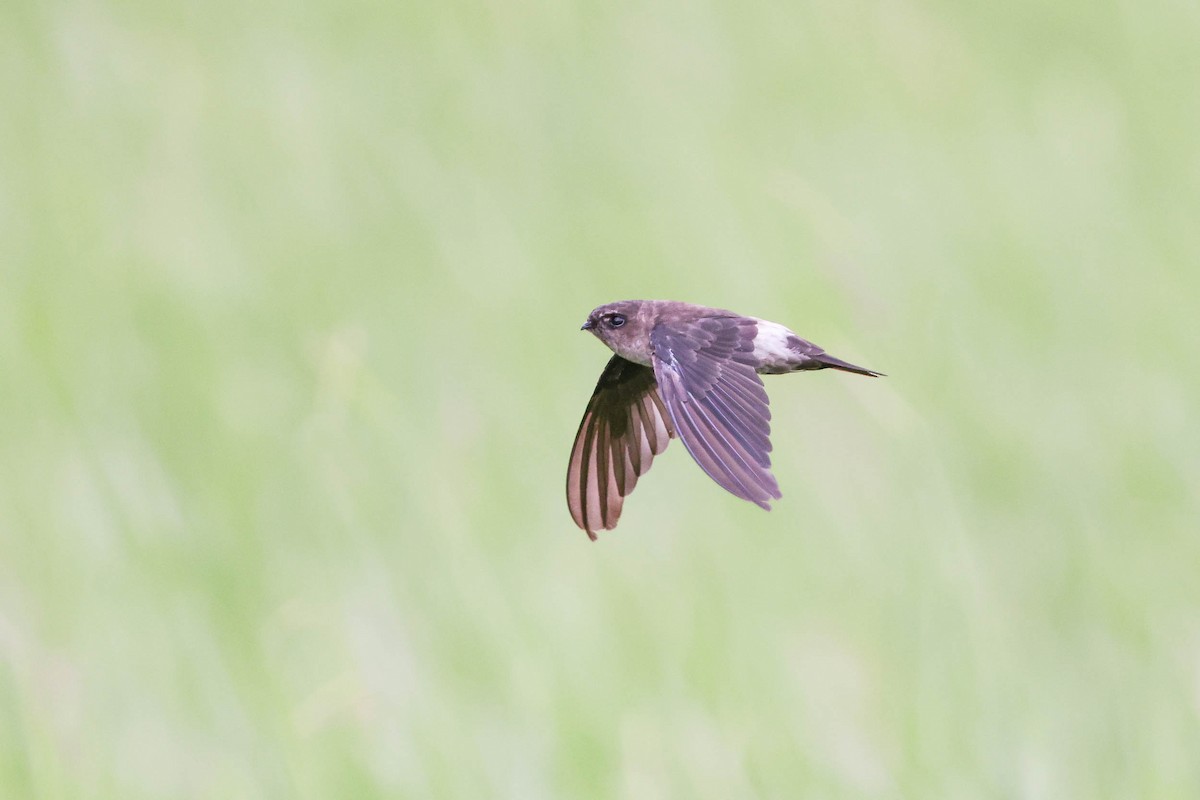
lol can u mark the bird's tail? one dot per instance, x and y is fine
(826, 360)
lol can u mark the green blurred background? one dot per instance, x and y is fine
(290, 368)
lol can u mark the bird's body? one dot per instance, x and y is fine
(687, 371)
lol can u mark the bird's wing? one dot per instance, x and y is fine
(705, 371)
(624, 427)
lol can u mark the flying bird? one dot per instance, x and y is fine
(687, 371)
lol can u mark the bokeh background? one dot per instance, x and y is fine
(290, 368)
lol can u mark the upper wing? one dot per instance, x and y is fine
(705, 371)
(624, 427)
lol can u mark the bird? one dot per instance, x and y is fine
(686, 371)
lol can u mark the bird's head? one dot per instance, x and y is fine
(624, 328)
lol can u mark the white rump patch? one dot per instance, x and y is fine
(771, 346)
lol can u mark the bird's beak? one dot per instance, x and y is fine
(587, 326)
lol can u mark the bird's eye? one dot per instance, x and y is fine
(616, 320)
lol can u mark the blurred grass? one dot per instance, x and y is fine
(290, 365)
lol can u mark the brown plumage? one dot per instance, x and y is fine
(683, 370)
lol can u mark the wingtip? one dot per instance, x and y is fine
(765, 505)
(592, 535)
